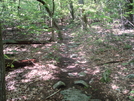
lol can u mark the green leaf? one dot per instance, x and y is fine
(6, 57)
(132, 91)
(124, 64)
(12, 66)
(130, 97)
(13, 51)
(106, 76)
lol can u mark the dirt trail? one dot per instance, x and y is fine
(65, 62)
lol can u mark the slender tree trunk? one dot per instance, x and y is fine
(71, 9)
(18, 7)
(130, 9)
(58, 29)
(52, 30)
(95, 1)
(52, 25)
(2, 71)
(83, 16)
(51, 13)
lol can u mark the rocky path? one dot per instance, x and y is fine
(75, 77)
(42, 82)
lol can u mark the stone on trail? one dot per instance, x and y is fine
(73, 55)
(130, 76)
(58, 85)
(73, 94)
(82, 74)
(81, 82)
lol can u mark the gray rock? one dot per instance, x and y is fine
(91, 81)
(81, 82)
(64, 70)
(132, 65)
(73, 55)
(82, 74)
(73, 46)
(73, 94)
(58, 85)
(72, 74)
(83, 68)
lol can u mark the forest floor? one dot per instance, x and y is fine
(103, 60)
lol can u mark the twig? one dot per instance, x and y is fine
(129, 21)
(53, 94)
(116, 61)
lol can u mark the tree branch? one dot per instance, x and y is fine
(46, 7)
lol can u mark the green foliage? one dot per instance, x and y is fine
(10, 64)
(12, 41)
(124, 64)
(101, 50)
(127, 46)
(52, 56)
(6, 57)
(132, 61)
(132, 92)
(33, 12)
(13, 51)
(106, 76)
(131, 97)
(95, 89)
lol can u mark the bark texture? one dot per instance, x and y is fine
(71, 9)
(83, 16)
(130, 9)
(2, 71)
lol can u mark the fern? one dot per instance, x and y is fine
(106, 76)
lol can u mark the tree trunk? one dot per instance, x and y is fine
(51, 13)
(52, 30)
(83, 16)
(58, 29)
(130, 9)
(2, 71)
(52, 25)
(71, 9)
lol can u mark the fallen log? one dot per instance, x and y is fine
(25, 42)
(13, 64)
